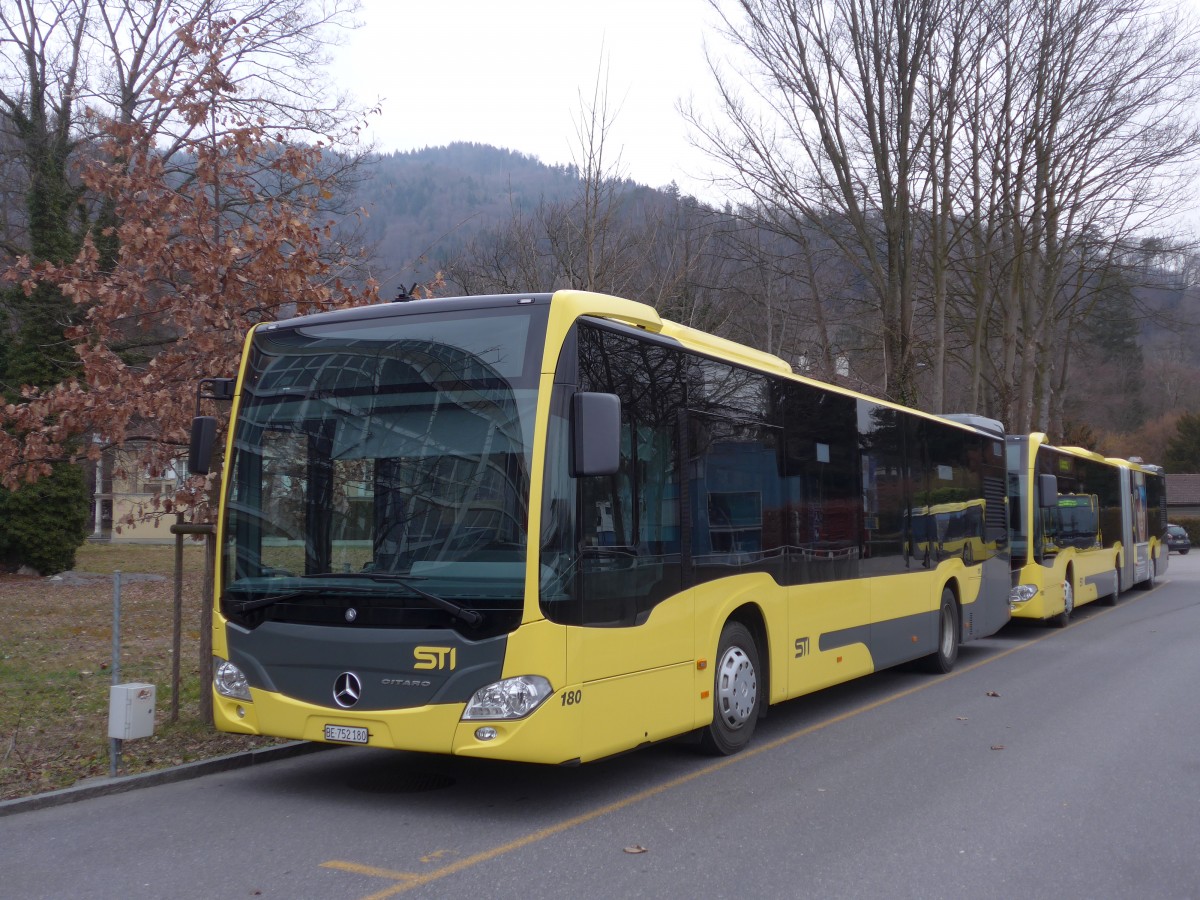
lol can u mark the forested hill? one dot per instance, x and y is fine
(1123, 353)
(424, 205)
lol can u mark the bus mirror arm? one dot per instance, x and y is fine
(595, 434)
(204, 428)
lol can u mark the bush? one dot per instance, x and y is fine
(43, 524)
(1191, 526)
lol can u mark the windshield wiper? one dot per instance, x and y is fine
(471, 616)
(246, 606)
(261, 603)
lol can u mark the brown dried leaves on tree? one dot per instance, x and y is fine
(168, 291)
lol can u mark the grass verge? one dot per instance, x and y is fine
(55, 668)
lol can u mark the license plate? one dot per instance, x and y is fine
(343, 734)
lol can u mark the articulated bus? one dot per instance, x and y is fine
(1083, 527)
(555, 527)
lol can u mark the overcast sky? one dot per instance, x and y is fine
(510, 74)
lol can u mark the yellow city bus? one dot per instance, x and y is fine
(555, 527)
(1083, 527)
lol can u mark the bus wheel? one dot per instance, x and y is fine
(1148, 584)
(944, 658)
(736, 695)
(1061, 620)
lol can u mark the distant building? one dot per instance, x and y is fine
(1183, 496)
(121, 490)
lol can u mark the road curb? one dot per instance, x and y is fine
(106, 786)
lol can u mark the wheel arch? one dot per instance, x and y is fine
(952, 584)
(750, 615)
(1066, 584)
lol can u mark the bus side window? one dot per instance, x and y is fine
(628, 542)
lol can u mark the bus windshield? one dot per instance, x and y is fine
(1077, 523)
(384, 458)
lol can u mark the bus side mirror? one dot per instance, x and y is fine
(595, 434)
(1047, 487)
(204, 433)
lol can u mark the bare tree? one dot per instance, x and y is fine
(1089, 107)
(834, 127)
(987, 166)
(267, 53)
(43, 50)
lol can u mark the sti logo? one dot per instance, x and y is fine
(434, 657)
(801, 647)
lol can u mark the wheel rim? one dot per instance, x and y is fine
(1068, 598)
(737, 687)
(947, 632)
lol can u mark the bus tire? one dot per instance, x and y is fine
(1061, 620)
(736, 692)
(949, 636)
(1148, 584)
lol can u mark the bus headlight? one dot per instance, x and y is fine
(229, 680)
(1022, 593)
(512, 698)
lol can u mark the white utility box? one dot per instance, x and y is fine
(130, 711)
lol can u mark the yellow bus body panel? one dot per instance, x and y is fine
(635, 681)
(1086, 566)
(610, 716)
(427, 729)
(815, 610)
(569, 305)
(1048, 601)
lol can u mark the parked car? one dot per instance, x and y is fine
(1177, 539)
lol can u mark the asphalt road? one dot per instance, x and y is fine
(1080, 779)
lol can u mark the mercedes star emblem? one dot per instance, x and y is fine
(346, 690)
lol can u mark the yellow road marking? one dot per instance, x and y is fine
(407, 880)
(371, 871)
